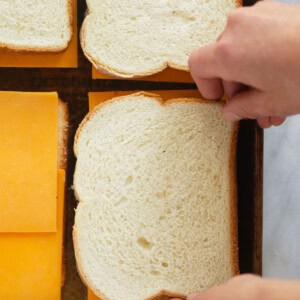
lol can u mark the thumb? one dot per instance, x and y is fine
(250, 104)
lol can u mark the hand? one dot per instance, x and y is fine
(249, 287)
(256, 62)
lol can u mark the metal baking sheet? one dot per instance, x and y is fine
(73, 86)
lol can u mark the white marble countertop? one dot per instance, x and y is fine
(281, 225)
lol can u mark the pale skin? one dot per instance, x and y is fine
(256, 62)
(250, 287)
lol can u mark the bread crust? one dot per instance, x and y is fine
(24, 48)
(162, 295)
(234, 198)
(108, 70)
(63, 130)
(165, 295)
(154, 97)
(233, 189)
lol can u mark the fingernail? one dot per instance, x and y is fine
(192, 296)
(229, 116)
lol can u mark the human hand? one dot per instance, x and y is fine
(250, 287)
(256, 62)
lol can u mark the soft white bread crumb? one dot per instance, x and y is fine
(134, 38)
(156, 189)
(34, 25)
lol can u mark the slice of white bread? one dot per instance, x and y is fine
(34, 25)
(127, 38)
(156, 186)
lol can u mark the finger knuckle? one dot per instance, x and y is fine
(193, 59)
(247, 113)
(257, 289)
(260, 109)
(251, 284)
(235, 17)
(225, 49)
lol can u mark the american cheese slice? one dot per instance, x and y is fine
(64, 59)
(92, 296)
(31, 263)
(95, 98)
(28, 162)
(167, 75)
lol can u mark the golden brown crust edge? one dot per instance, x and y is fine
(80, 270)
(103, 68)
(162, 295)
(165, 295)
(233, 189)
(26, 49)
(234, 199)
(154, 97)
(63, 131)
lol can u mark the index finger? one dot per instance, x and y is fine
(205, 63)
(209, 65)
(209, 85)
(222, 60)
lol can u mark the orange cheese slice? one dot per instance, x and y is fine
(31, 263)
(92, 296)
(63, 59)
(28, 162)
(167, 75)
(95, 98)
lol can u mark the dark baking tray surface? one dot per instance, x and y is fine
(73, 86)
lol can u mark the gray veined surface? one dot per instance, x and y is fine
(281, 227)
